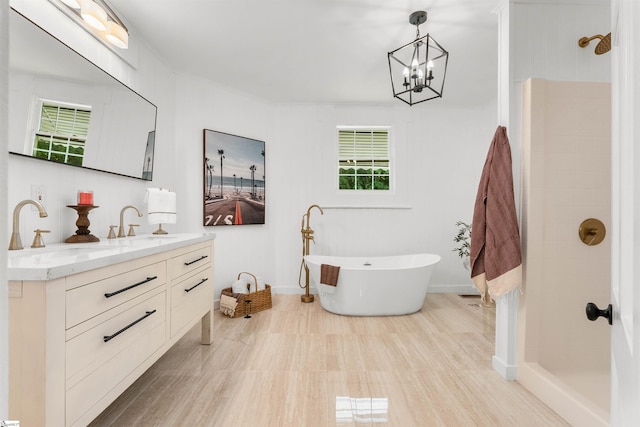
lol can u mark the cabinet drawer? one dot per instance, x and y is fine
(189, 261)
(90, 349)
(97, 297)
(94, 367)
(191, 298)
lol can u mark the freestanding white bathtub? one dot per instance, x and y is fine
(374, 286)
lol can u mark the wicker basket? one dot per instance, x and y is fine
(252, 302)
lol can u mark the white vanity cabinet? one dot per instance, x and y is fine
(190, 286)
(78, 341)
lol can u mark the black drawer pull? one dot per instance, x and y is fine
(109, 337)
(197, 284)
(196, 260)
(148, 279)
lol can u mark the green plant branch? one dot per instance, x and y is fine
(463, 238)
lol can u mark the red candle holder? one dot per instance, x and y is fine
(85, 198)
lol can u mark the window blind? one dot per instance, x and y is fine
(62, 133)
(363, 159)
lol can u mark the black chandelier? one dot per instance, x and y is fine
(418, 68)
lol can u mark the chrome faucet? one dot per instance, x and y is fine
(16, 243)
(121, 228)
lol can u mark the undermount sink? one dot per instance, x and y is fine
(73, 251)
(154, 237)
(88, 250)
(57, 252)
(146, 240)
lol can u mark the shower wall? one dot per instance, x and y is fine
(566, 178)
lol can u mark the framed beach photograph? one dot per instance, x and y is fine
(234, 180)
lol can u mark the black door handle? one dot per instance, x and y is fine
(593, 312)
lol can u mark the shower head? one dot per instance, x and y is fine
(603, 46)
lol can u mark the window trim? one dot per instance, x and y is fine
(391, 159)
(41, 103)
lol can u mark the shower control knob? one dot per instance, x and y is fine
(593, 312)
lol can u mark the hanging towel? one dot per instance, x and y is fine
(496, 260)
(228, 305)
(329, 274)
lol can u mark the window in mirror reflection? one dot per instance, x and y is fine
(62, 132)
(147, 167)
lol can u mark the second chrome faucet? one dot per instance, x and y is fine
(121, 227)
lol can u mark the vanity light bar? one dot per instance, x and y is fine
(117, 35)
(100, 17)
(94, 15)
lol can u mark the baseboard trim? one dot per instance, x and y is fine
(566, 401)
(453, 289)
(292, 290)
(508, 372)
(433, 289)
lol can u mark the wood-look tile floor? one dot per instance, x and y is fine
(298, 365)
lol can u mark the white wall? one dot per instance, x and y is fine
(438, 164)
(201, 104)
(437, 168)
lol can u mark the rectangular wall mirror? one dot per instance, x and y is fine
(65, 109)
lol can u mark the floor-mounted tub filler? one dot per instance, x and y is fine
(374, 286)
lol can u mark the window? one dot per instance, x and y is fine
(62, 132)
(363, 159)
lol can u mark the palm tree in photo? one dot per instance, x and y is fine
(209, 169)
(221, 154)
(263, 170)
(253, 171)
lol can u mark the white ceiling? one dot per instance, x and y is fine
(316, 51)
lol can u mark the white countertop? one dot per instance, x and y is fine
(63, 259)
